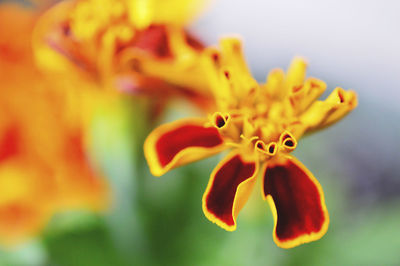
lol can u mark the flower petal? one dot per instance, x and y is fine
(166, 59)
(304, 95)
(228, 189)
(180, 142)
(52, 47)
(324, 113)
(297, 203)
(232, 50)
(154, 40)
(296, 73)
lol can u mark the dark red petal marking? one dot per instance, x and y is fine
(172, 142)
(272, 148)
(9, 143)
(219, 200)
(227, 74)
(216, 57)
(297, 200)
(285, 137)
(220, 121)
(289, 143)
(193, 42)
(154, 40)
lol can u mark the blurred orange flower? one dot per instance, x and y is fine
(262, 123)
(139, 47)
(43, 163)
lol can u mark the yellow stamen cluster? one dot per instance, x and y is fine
(269, 118)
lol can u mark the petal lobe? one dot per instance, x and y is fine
(180, 142)
(297, 203)
(228, 189)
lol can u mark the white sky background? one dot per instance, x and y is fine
(354, 44)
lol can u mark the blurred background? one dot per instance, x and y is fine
(159, 221)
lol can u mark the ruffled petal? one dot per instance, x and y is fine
(175, 52)
(296, 73)
(324, 113)
(180, 142)
(232, 50)
(218, 79)
(53, 50)
(302, 96)
(274, 83)
(228, 73)
(228, 190)
(297, 203)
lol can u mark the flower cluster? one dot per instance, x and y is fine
(136, 47)
(59, 65)
(261, 125)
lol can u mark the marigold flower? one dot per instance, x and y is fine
(140, 47)
(43, 163)
(261, 124)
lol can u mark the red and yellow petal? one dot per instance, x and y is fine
(297, 203)
(228, 190)
(180, 142)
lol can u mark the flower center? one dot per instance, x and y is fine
(254, 134)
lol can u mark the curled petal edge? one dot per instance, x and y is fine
(325, 113)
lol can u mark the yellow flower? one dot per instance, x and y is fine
(43, 163)
(261, 123)
(138, 46)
